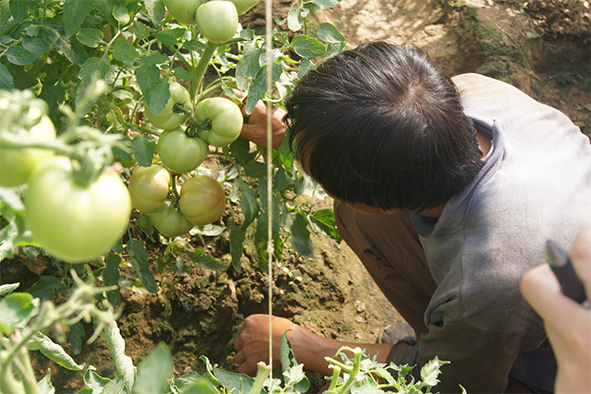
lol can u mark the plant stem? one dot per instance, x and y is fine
(262, 374)
(199, 71)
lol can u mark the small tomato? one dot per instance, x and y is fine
(149, 187)
(183, 10)
(170, 221)
(168, 119)
(202, 200)
(180, 152)
(16, 164)
(219, 121)
(73, 222)
(217, 20)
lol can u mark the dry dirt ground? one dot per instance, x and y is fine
(543, 50)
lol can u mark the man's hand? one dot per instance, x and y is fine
(567, 323)
(256, 128)
(253, 341)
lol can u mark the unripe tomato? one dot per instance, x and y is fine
(244, 5)
(180, 152)
(170, 221)
(224, 120)
(149, 187)
(202, 200)
(217, 20)
(16, 164)
(183, 10)
(75, 223)
(167, 119)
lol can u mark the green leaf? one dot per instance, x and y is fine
(324, 218)
(182, 73)
(201, 385)
(233, 381)
(141, 30)
(35, 45)
(20, 56)
(295, 17)
(53, 351)
(75, 11)
(111, 277)
(139, 260)
(329, 33)
(121, 14)
(156, 11)
(115, 386)
(92, 38)
(16, 310)
(153, 59)
(154, 371)
(430, 371)
(8, 288)
(6, 80)
(44, 386)
(256, 90)
(95, 381)
(124, 51)
(123, 362)
(208, 261)
(237, 237)
(300, 236)
(307, 47)
(324, 4)
(19, 9)
(169, 37)
(248, 66)
(75, 336)
(5, 13)
(99, 67)
(293, 372)
(46, 287)
(158, 96)
(143, 149)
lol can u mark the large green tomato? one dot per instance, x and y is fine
(219, 119)
(202, 200)
(217, 20)
(181, 153)
(170, 221)
(244, 5)
(183, 10)
(149, 187)
(168, 119)
(72, 222)
(16, 164)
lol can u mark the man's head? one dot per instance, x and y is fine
(381, 125)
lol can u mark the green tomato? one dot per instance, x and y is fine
(220, 121)
(75, 223)
(16, 164)
(244, 5)
(149, 187)
(181, 153)
(167, 119)
(183, 10)
(202, 200)
(217, 20)
(170, 221)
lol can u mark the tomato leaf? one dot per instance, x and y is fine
(111, 277)
(307, 47)
(329, 33)
(156, 11)
(16, 310)
(324, 4)
(19, 56)
(53, 351)
(124, 51)
(8, 288)
(6, 80)
(237, 237)
(139, 260)
(75, 11)
(300, 236)
(143, 149)
(324, 218)
(154, 371)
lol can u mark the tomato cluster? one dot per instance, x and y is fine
(217, 19)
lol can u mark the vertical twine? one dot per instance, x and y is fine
(269, 57)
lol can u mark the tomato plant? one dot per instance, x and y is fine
(217, 20)
(174, 112)
(219, 121)
(148, 187)
(202, 200)
(72, 218)
(181, 153)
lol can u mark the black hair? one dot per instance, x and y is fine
(382, 125)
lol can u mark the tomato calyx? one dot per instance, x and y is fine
(180, 108)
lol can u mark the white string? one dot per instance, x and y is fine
(269, 48)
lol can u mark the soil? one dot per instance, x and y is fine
(542, 47)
